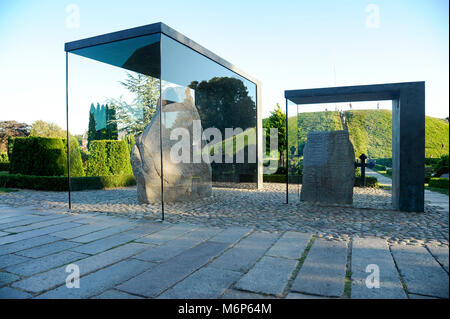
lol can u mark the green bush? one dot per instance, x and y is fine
(277, 178)
(38, 156)
(442, 165)
(108, 157)
(4, 162)
(60, 183)
(370, 181)
(384, 161)
(76, 163)
(274, 178)
(4, 166)
(43, 156)
(389, 171)
(438, 182)
(380, 167)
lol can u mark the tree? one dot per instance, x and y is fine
(47, 129)
(111, 124)
(91, 129)
(224, 102)
(13, 129)
(134, 118)
(277, 119)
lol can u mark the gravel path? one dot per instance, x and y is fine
(370, 215)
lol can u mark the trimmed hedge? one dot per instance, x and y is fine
(274, 178)
(438, 182)
(370, 181)
(277, 178)
(108, 157)
(59, 183)
(38, 156)
(4, 166)
(43, 156)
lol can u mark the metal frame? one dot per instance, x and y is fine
(408, 131)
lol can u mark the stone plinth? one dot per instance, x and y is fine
(328, 168)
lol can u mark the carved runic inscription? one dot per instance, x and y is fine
(328, 168)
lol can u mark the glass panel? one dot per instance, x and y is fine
(110, 108)
(200, 95)
(141, 54)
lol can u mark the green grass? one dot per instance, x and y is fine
(370, 131)
(438, 190)
(7, 190)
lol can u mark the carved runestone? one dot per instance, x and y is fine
(182, 181)
(328, 168)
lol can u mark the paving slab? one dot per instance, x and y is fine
(441, 254)
(6, 278)
(37, 232)
(153, 282)
(413, 296)
(79, 231)
(55, 277)
(10, 259)
(100, 245)
(100, 281)
(245, 253)
(270, 276)
(22, 221)
(10, 293)
(115, 294)
(237, 294)
(114, 230)
(323, 271)
(375, 252)
(27, 243)
(291, 245)
(177, 246)
(206, 283)
(167, 234)
(48, 249)
(231, 235)
(38, 265)
(294, 295)
(421, 273)
(3, 233)
(55, 221)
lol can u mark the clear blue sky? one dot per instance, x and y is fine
(284, 44)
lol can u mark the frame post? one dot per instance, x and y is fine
(67, 128)
(287, 155)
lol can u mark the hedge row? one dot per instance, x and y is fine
(439, 182)
(274, 178)
(4, 166)
(43, 156)
(277, 178)
(108, 157)
(370, 181)
(59, 183)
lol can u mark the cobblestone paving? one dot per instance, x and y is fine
(120, 257)
(370, 215)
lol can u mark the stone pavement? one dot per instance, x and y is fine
(119, 257)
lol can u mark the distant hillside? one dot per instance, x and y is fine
(370, 131)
